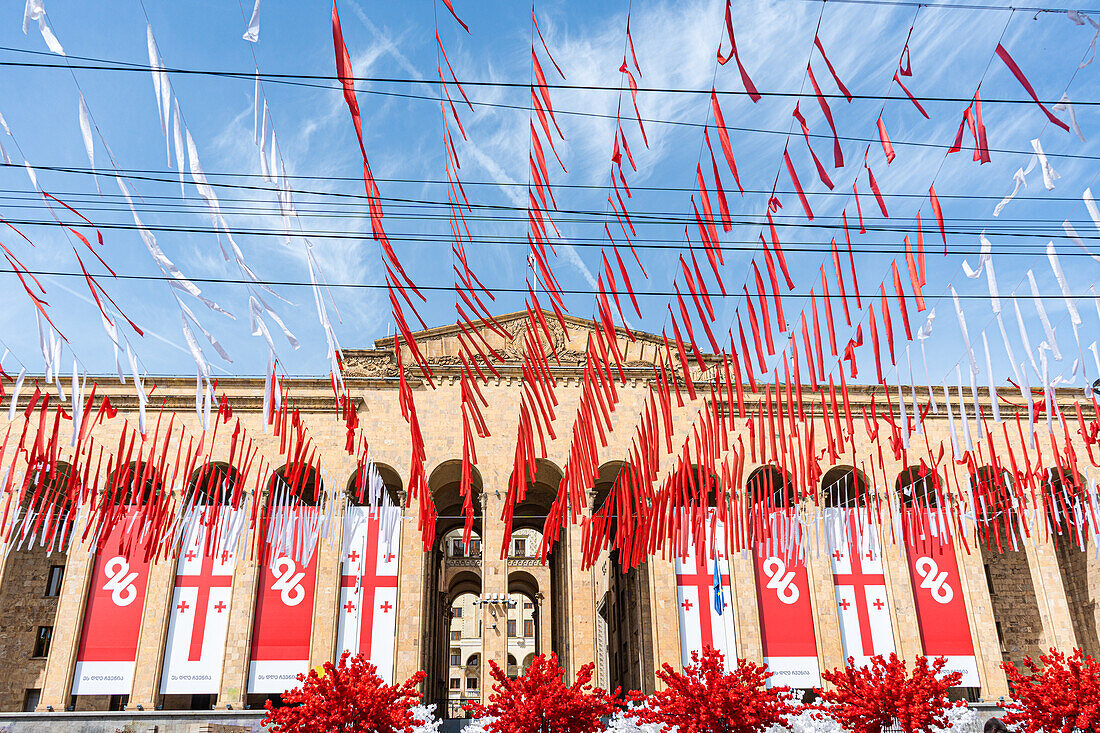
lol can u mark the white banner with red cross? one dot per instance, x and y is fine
(786, 617)
(937, 589)
(199, 617)
(866, 628)
(704, 595)
(368, 585)
(112, 619)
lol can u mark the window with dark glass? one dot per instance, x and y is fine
(30, 699)
(455, 683)
(529, 627)
(457, 611)
(53, 581)
(519, 548)
(511, 627)
(42, 641)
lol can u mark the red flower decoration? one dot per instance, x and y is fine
(1061, 695)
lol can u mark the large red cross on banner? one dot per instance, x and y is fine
(703, 581)
(364, 575)
(203, 581)
(860, 581)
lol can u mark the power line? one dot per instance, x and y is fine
(384, 286)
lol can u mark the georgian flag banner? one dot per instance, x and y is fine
(284, 620)
(199, 620)
(700, 597)
(786, 617)
(937, 589)
(865, 626)
(112, 619)
(368, 585)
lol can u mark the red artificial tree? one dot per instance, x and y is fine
(347, 697)
(539, 701)
(705, 698)
(1060, 696)
(869, 698)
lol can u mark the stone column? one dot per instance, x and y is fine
(582, 611)
(983, 627)
(326, 597)
(1050, 594)
(61, 664)
(899, 595)
(494, 579)
(819, 578)
(242, 610)
(153, 634)
(750, 644)
(665, 616)
(412, 565)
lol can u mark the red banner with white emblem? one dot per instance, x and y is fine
(786, 618)
(866, 628)
(368, 587)
(284, 618)
(199, 617)
(941, 608)
(112, 619)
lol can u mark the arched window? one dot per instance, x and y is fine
(845, 487)
(771, 487)
(213, 483)
(297, 480)
(918, 486)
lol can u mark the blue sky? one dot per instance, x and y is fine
(951, 51)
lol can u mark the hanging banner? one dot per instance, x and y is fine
(941, 608)
(368, 585)
(862, 605)
(786, 618)
(284, 618)
(112, 619)
(199, 617)
(705, 598)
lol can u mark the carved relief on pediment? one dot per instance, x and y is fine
(372, 365)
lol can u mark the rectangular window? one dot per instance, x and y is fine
(475, 548)
(457, 612)
(511, 627)
(30, 699)
(456, 548)
(456, 634)
(456, 658)
(42, 641)
(527, 605)
(455, 683)
(519, 548)
(529, 627)
(471, 684)
(53, 581)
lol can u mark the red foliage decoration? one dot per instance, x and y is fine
(539, 701)
(349, 696)
(1061, 695)
(706, 698)
(867, 699)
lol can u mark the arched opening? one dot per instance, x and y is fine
(1067, 508)
(374, 484)
(771, 487)
(920, 487)
(551, 578)
(844, 487)
(296, 481)
(524, 628)
(212, 483)
(462, 612)
(137, 484)
(455, 557)
(1007, 573)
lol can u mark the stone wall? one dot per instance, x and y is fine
(24, 607)
(1080, 571)
(1019, 626)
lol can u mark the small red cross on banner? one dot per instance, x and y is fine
(845, 605)
(386, 607)
(686, 605)
(219, 607)
(878, 603)
(354, 556)
(183, 606)
(190, 555)
(390, 557)
(838, 555)
(349, 606)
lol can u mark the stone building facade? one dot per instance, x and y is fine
(1018, 602)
